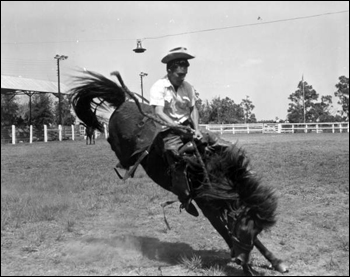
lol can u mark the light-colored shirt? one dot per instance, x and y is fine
(177, 104)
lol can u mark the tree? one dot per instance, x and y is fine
(9, 109)
(225, 111)
(67, 117)
(248, 107)
(203, 110)
(41, 110)
(296, 108)
(343, 94)
(320, 111)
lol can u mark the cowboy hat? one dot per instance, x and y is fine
(177, 53)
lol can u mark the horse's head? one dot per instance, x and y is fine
(243, 229)
(254, 214)
(245, 206)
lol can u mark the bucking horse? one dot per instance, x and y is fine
(222, 185)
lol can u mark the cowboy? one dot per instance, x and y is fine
(174, 102)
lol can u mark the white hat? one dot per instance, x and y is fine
(177, 53)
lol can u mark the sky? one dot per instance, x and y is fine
(244, 49)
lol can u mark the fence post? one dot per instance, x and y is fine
(305, 128)
(60, 132)
(105, 128)
(13, 134)
(248, 128)
(316, 128)
(72, 132)
(333, 128)
(340, 128)
(233, 128)
(45, 133)
(31, 134)
(279, 130)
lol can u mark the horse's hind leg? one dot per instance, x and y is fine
(276, 263)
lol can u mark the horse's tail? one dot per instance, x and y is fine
(92, 86)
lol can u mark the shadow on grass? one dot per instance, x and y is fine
(170, 253)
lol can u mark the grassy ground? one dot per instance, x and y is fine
(64, 212)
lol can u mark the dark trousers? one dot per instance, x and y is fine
(172, 141)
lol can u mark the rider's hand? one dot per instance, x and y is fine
(197, 135)
(173, 124)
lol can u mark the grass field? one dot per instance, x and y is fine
(65, 212)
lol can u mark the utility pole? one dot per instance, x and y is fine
(302, 81)
(142, 74)
(58, 58)
(246, 110)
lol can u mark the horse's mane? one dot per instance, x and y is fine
(232, 182)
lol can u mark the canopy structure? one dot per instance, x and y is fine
(11, 85)
(19, 85)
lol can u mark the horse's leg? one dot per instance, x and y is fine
(276, 263)
(216, 222)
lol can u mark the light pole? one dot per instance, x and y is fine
(142, 74)
(58, 58)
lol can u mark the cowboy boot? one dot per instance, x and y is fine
(181, 189)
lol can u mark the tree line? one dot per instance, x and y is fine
(41, 110)
(304, 105)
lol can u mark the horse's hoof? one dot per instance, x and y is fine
(281, 267)
(248, 271)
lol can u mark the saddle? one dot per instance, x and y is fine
(209, 144)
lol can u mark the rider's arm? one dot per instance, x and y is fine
(195, 117)
(195, 114)
(157, 101)
(159, 110)
(195, 120)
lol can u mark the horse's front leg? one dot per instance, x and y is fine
(216, 222)
(276, 263)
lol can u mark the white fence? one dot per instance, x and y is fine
(60, 133)
(70, 132)
(328, 127)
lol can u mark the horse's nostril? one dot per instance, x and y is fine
(242, 258)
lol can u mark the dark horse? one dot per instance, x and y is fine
(223, 187)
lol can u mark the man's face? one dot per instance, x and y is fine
(177, 75)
